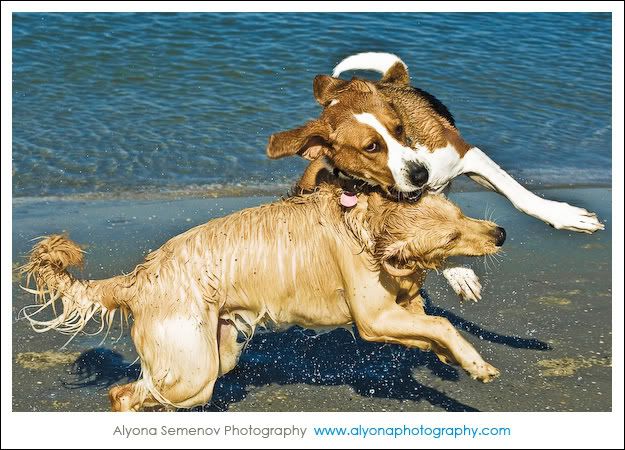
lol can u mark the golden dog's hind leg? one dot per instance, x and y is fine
(177, 344)
(131, 397)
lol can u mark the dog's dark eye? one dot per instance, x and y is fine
(372, 147)
(399, 130)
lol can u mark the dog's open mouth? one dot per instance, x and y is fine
(411, 197)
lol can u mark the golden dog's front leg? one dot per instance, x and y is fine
(409, 296)
(380, 319)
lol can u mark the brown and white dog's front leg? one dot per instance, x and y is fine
(562, 216)
(444, 164)
(464, 282)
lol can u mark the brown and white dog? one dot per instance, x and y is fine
(404, 140)
(305, 260)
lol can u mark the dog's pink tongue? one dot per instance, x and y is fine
(348, 199)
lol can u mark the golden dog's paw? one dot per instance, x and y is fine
(485, 373)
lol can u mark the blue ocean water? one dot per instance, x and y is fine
(123, 103)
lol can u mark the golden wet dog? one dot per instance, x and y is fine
(305, 260)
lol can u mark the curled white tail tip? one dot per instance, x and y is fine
(378, 62)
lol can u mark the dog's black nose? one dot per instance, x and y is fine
(500, 236)
(418, 175)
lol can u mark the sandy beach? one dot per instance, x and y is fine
(544, 321)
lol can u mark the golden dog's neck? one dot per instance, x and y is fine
(375, 221)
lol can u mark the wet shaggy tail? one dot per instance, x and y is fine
(47, 266)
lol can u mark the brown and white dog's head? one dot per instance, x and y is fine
(359, 133)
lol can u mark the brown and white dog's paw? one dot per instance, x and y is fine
(464, 282)
(563, 216)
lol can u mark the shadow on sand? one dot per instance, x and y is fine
(301, 356)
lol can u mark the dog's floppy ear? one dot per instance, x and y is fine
(392, 268)
(391, 260)
(309, 141)
(396, 74)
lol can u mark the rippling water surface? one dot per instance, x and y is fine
(124, 103)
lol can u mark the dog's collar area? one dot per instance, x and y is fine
(410, 197)
(393, 194)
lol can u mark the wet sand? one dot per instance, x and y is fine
(544, 321)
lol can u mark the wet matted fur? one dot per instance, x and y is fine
(304, 260)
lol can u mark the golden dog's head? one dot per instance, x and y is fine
(421, 235)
